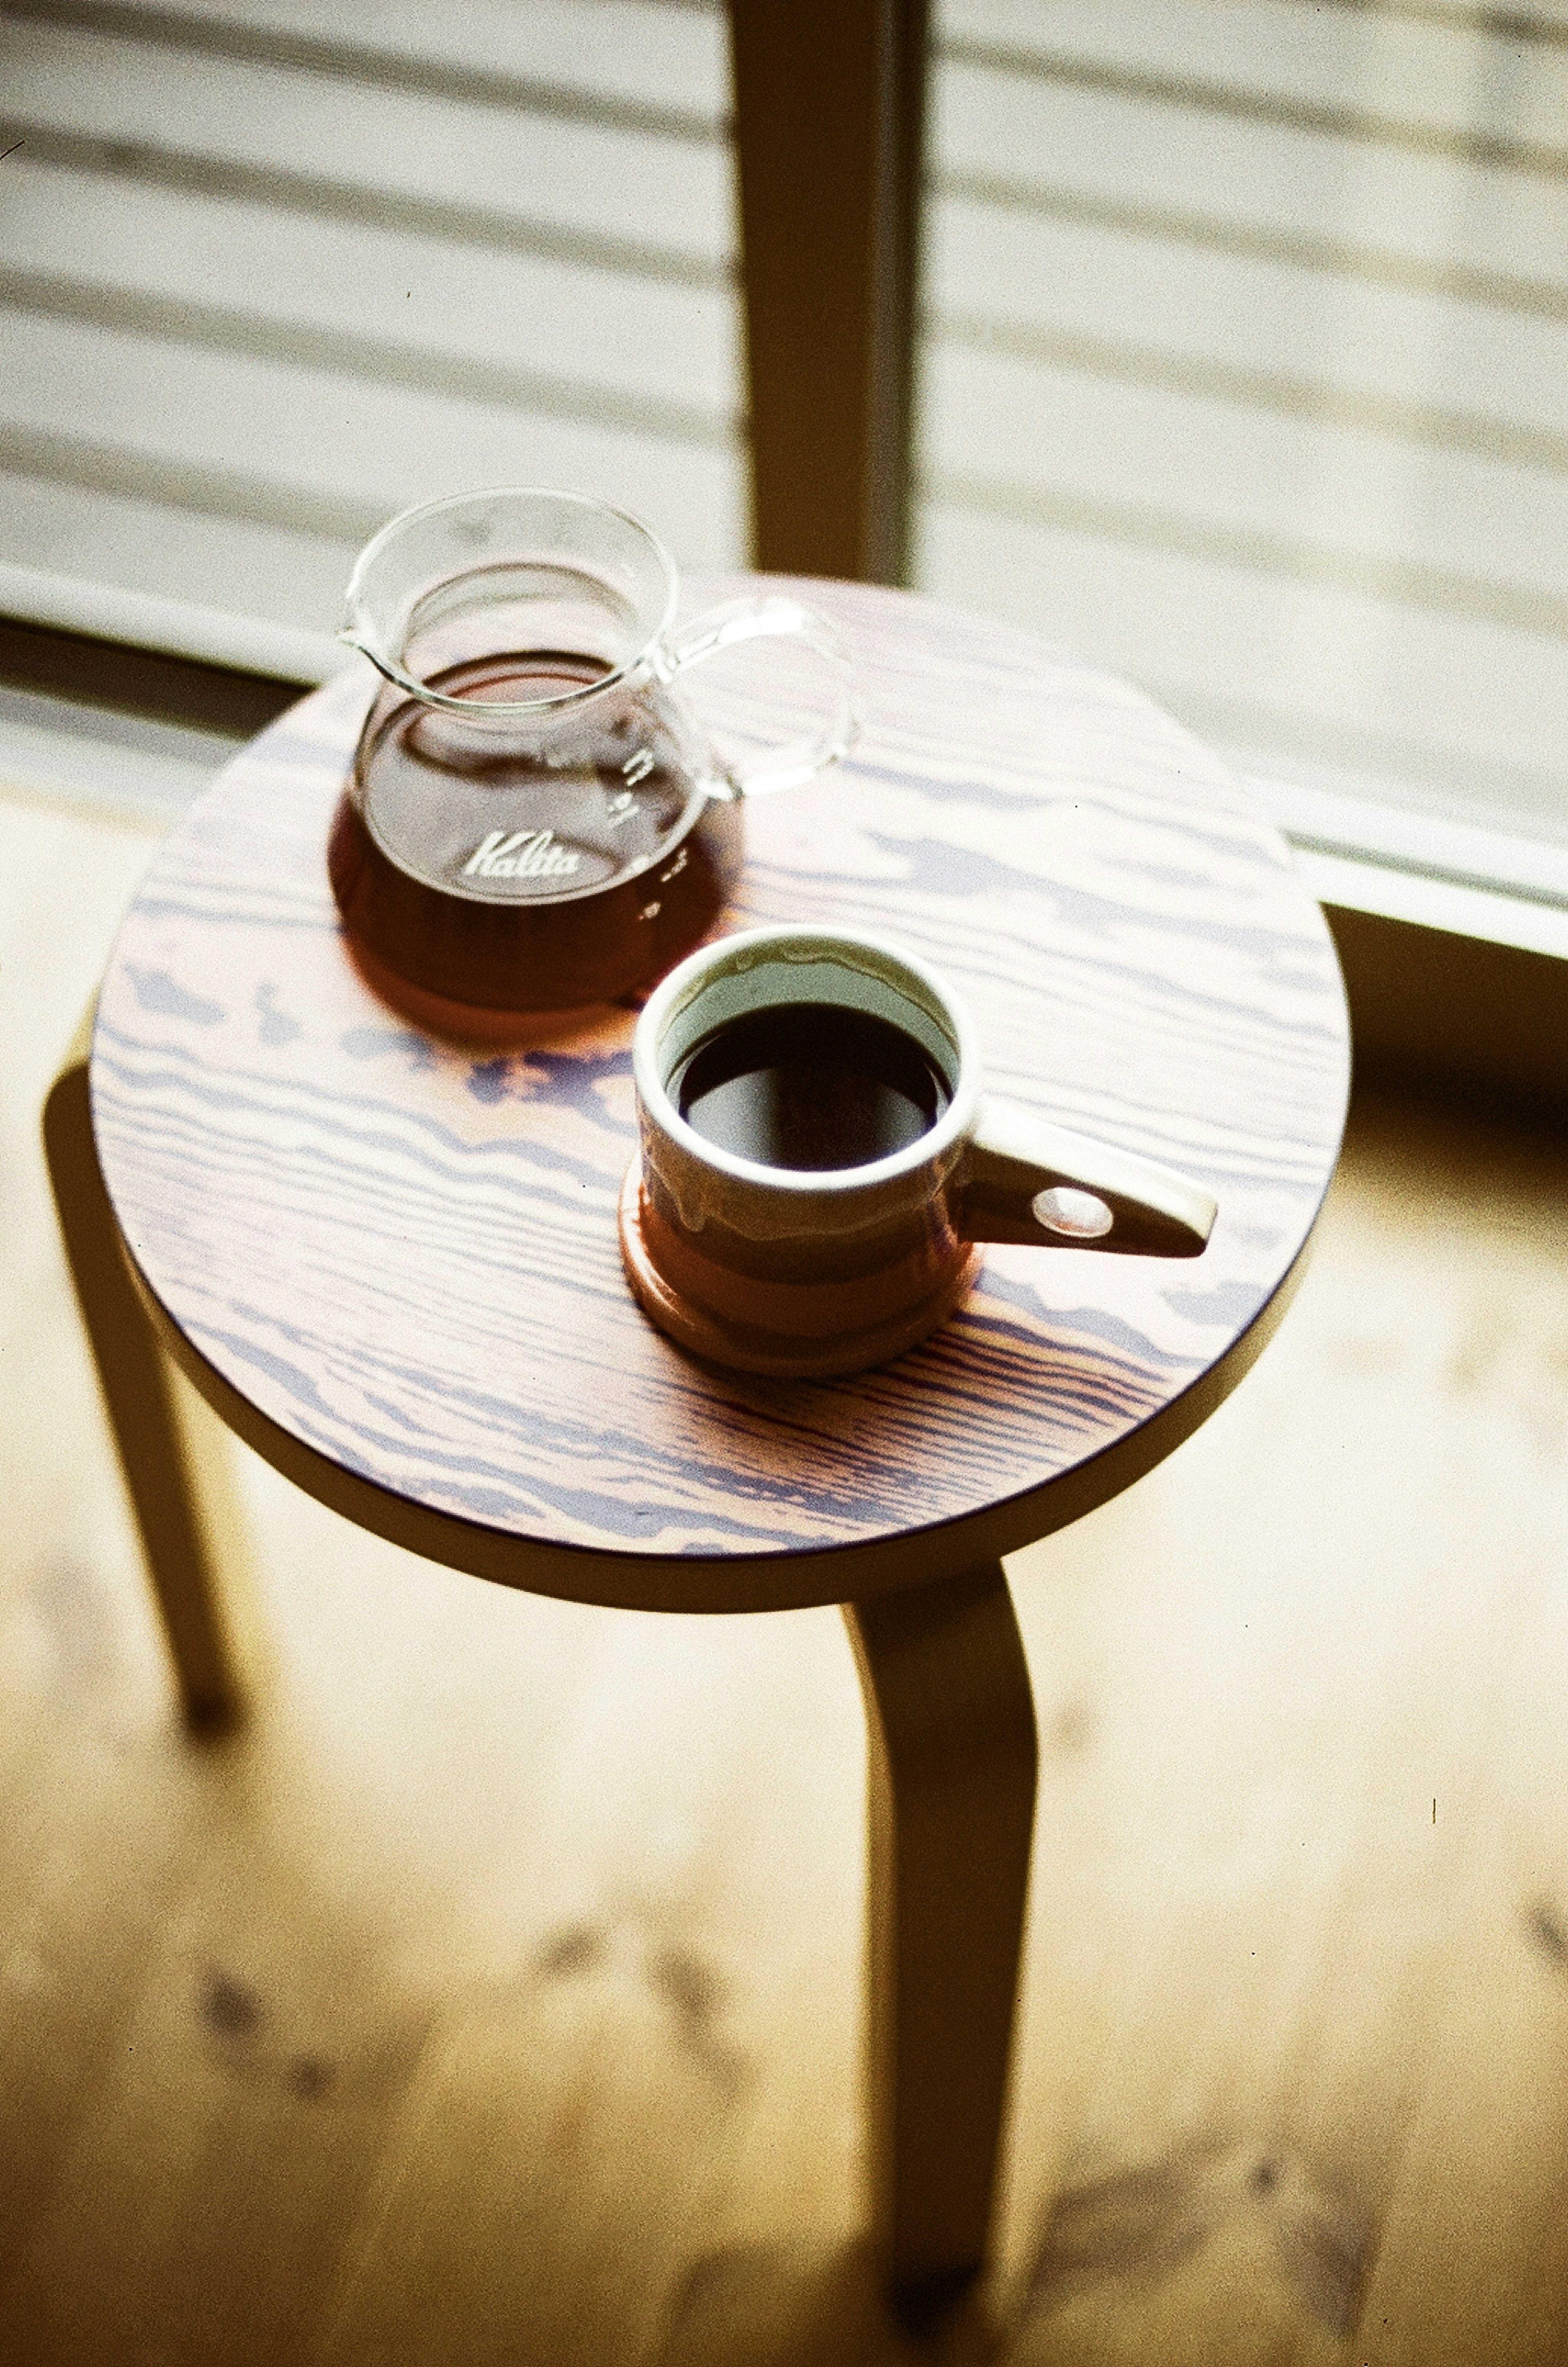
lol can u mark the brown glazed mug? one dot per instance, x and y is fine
(807, 1271)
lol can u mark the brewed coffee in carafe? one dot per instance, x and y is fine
(534, 821)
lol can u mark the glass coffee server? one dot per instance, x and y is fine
(535, 818)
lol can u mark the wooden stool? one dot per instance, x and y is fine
(390, 1263)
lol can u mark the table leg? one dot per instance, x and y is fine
(168, 1466)
(952, 1756)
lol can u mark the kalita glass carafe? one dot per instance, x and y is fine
(534, 820)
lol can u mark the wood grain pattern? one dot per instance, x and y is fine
(498, 1882)
(392, 1262)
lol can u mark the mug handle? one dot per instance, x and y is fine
(1024, 1179)
(748, 620)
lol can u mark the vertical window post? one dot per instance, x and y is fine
(828, 101)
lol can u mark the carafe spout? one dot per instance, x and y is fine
(352, 641)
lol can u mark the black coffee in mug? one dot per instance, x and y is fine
(767, 1264)
(809, 1086)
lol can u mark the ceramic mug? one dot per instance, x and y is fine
(810, 1271)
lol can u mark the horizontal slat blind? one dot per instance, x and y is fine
(1247, 372)
(1245, 349)
(270, 271)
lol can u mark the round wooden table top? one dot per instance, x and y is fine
(393, 1264)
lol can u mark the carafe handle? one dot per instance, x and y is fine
(748, 620)
(1026, 1179)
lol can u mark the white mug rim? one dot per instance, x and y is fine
(957, 1123)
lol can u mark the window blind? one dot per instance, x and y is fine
(1244, 354)
(1246, 371)
(270, 271)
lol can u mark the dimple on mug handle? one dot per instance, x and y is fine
(1026, 1179)
(748, 620)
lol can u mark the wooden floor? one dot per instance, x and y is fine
(494, 1998)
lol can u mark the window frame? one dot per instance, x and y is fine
(1456, 963)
